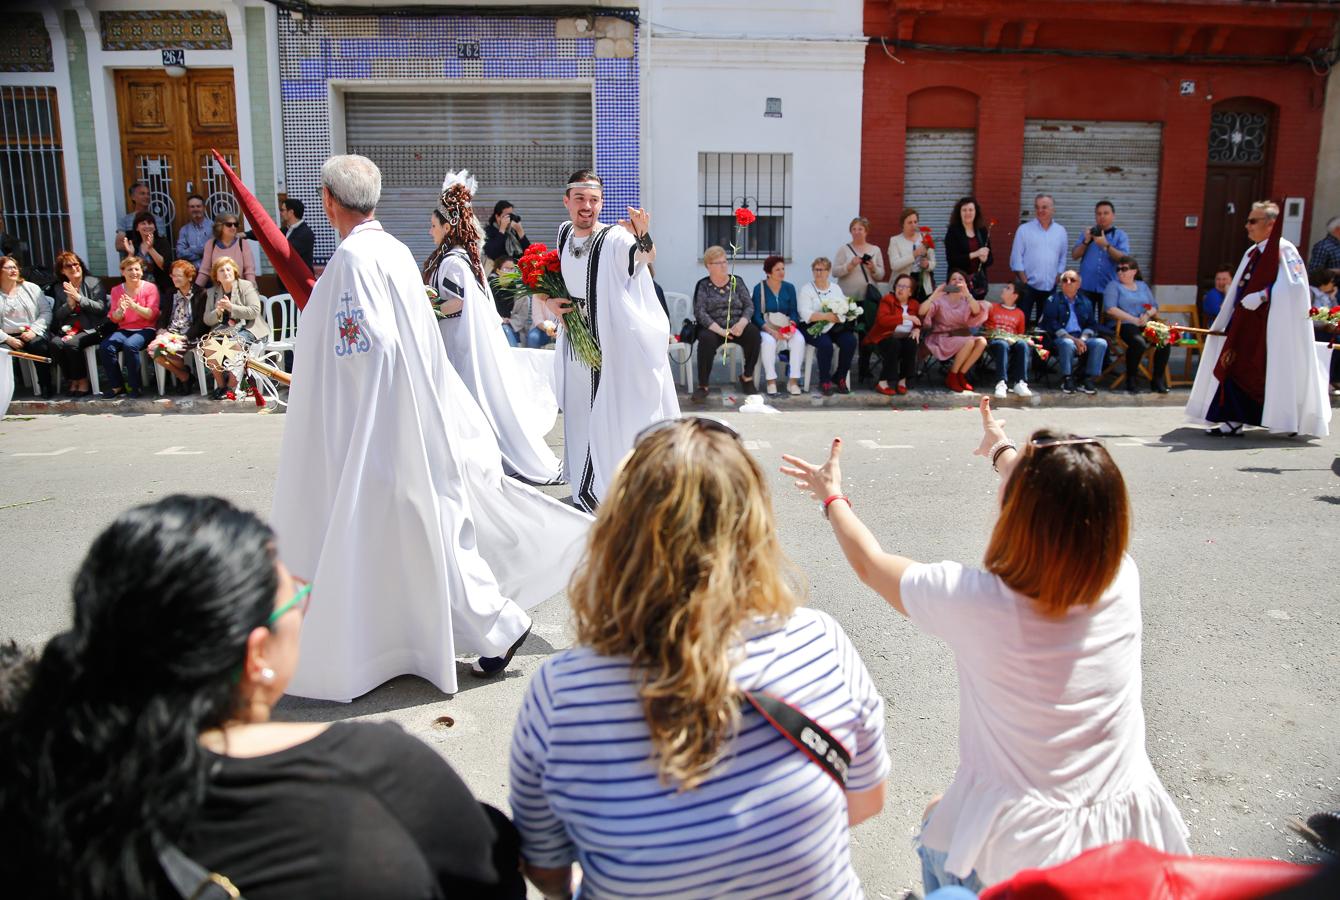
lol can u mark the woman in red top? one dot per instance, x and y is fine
(895, 336)
(134, 311)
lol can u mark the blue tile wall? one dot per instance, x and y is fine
(325, 47)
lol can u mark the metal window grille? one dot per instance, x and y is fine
(219, 199)
(760, 182)
(32, 177)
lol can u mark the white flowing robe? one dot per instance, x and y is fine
(604, 410)
(520, 408)
(1296, 399)
(391, 498)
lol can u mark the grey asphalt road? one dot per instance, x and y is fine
(1235, 541)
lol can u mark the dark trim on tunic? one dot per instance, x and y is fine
(585, 495)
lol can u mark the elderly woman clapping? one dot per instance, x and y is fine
(1046, 637)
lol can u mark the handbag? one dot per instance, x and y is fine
(191, 880)
(977, 283)
(808, 736)
(688, 332)
(869, 301)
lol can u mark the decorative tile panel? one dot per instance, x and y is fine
(27, 46)
(157, 29)
(403, 47)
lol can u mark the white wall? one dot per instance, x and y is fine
(708, 95)
(755, 18)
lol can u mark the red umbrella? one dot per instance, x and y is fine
(290, 267)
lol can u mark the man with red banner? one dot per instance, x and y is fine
(1263, 370)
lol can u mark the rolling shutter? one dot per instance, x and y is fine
(1080, 163)
(939, 171)
(521, 148)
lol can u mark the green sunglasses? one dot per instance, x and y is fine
(299, 599)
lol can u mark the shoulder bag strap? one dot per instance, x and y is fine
(192, 880)
(564, 230)
(807, 735)
(859, 265)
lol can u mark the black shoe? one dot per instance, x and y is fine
(493, 666)
(134, 393)
(826, 388)
(111, 393)
(1068, 385)
(842, 386)
(1132, 389)
(699, 394)
(1087, 386)
(218, 393)
(748, 386)
(1160, 388)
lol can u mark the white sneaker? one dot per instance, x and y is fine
(1021, 389)
(1000, 389)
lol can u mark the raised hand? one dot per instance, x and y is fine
(993, 430)
(638, 221)
(821, 482)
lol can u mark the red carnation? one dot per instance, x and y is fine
(744, 216)
(531, 280)
(1335, 310)
(552, 262)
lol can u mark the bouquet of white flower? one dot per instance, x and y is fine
(847, 309)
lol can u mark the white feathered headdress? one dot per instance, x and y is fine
(463, 177)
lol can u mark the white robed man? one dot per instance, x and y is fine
(391, 497)
(605, 271)
(1263, 370)
(517, 401)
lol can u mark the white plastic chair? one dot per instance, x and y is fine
(283, 326)
(29, 370)
(681, 355)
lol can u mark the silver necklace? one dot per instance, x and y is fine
(579, 250)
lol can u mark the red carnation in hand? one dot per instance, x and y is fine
(552, 262)
(926, 237)
(744, 216)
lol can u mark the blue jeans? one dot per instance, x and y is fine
(132, 342)
(1065, 355)
(1017, 353)
(537, 338)
(935, 878)
(510, 333)
(823, 353)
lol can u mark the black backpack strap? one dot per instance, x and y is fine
(807, 735)
(192, 880)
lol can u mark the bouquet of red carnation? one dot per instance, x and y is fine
(1329, 317)
(1161, 334)
(1010, 337)
(926, 238)
(540, 271)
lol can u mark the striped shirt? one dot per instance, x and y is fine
(768, 822)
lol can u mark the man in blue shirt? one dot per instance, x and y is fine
(1068, 323)
(1214, 297)
(1326, 252)
(1098, 250)
(1038, 255)
(197, 230)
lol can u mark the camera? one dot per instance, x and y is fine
(951, 288)
(515, 217)
(866, 257)
(1095, 230)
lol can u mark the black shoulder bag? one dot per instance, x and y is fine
(870, 301)
(807, 735)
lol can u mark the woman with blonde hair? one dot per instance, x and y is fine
(638, 753)
(1046, 637)
(232, 310)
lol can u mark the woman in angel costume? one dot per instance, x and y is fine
(391, 497)
(605, 271)
(518, 404)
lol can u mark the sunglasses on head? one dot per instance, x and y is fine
(1044, 443)
(702, 423)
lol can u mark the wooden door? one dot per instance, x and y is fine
(1235, 178)
(168, 126)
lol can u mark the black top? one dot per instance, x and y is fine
(160, 276)
(303, 241)
(92, 311)
(362, 810)
(495, 243)
(956, 249)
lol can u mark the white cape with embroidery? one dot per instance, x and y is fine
(391, 498)
(1296, 399)
(520, 407)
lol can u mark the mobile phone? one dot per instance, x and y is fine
(951, 288)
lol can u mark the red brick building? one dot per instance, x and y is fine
(1181, 111)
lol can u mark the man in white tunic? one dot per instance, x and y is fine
(1264, 370)
(604, 409)
(391, 497)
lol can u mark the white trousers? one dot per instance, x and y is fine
(768, 351)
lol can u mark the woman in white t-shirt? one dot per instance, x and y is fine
(1046, 638)
(636, 754)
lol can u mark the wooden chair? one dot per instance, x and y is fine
(1183, 314)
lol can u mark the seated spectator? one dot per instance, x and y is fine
(232, 312)
(1046, 638)
(133, 312)
(195, 232)
(153, 249)
(25, 314)
(147, 725)
(774, 310)
(810, 304)
(181, 323)
(679, 786)
(1324, 283)
(1068, 325)
(227, 243)
(723, 310)
(79, 309)
(909, 255)
(1131, 304)
(947, 318)
(1011, 355)
(1213, 300)
(528, 320)
(896, 336)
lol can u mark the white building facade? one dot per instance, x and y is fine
(750, 103)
